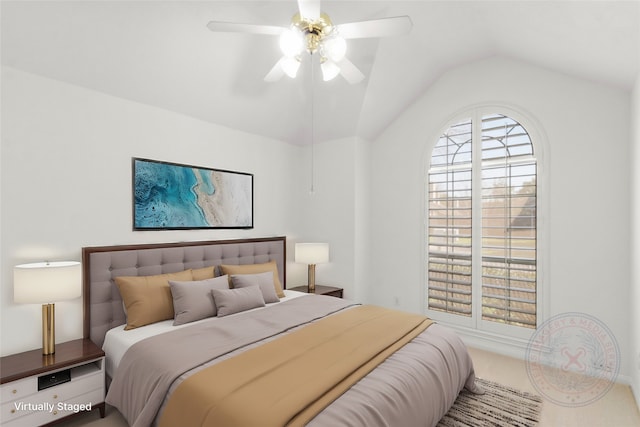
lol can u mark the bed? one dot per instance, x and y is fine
(160, 371)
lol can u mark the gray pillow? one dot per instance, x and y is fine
(263, 280)
(193, 300)
(230, 301)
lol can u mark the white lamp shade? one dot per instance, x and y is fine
(46, 282)
(290, 66)
(291, 42)
(329, 70)
(312, 253)
(335, 48)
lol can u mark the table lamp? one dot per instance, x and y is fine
(312, 254)
(46, 283)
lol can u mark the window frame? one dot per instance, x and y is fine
(474, 324)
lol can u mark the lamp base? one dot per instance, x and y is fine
(311, 279)
(48, 329)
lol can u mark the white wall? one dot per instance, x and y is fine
(362, 235)
(634, 301)
(586, 127)
(335, 212)
(66, 183)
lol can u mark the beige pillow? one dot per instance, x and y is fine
(254, 269)
(147, 299)
(203, 273)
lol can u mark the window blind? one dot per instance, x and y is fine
(507, 252)
(450, 212)
(508, 223)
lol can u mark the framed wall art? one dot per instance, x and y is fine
(172, 196)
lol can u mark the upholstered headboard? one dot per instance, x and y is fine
(103, 308)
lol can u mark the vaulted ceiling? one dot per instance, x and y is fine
(162, 54)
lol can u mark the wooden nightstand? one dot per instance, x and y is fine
(322, 290)
(37, 389)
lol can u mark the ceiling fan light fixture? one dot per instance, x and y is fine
(334, 48)
(291, 42)
(312, 31)
(290, 66)
(329, 70)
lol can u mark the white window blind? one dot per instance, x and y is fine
(508, 207)
(450, 213)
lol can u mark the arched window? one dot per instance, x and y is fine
(482, 223)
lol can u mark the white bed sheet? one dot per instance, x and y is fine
(117, 341)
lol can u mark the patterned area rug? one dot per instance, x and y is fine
(499, 406)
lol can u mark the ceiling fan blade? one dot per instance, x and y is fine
(309, 9)
(275, 74)
(384, 27)
(350, 72)
(236, 27)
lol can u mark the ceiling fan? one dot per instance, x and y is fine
(312, 31)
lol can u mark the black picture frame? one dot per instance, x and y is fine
(175, 196)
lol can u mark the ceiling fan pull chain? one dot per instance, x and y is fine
(312, 189)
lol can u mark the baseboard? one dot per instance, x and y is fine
(635, 390)
(506, 346)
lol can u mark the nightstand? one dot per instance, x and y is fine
(322, 290)
(37, 389)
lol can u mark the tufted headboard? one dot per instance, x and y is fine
(103, 308)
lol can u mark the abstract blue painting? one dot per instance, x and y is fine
(175, 196)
